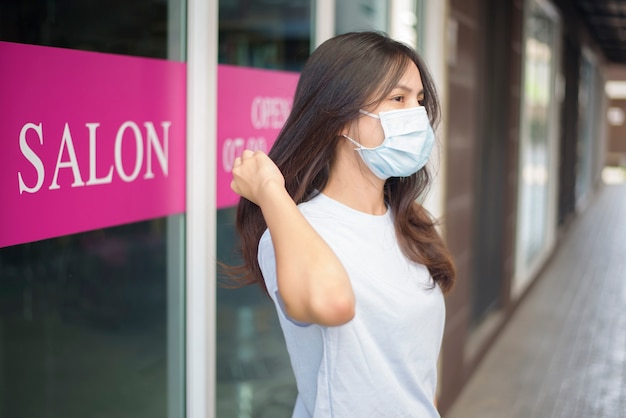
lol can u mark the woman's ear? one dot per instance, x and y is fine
(347, 127)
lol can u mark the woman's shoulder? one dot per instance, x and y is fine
(317, 204)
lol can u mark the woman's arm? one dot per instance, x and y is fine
(312, 282)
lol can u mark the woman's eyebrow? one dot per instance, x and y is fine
(409, 89)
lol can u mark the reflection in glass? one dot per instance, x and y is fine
(356, 15)
(83, 325)
(254, 377)
(128, 27)
(265, 34)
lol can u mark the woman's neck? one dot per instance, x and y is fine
(350, 182)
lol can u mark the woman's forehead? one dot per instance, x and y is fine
(405, 76)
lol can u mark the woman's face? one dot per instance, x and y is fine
(409, 92)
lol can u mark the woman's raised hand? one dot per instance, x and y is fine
(254, 175)
(312, 282)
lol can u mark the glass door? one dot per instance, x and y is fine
(262, 46)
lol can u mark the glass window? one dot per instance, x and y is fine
(356, 15)
(254, 377)
(92, 324)
(587, 116)
(537, 182)
(273, 34)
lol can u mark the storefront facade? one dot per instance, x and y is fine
(121, 123)
(525, 148)
(124, 120)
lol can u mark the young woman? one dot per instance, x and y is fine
(331, 228)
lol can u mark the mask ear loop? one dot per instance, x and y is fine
(359, 146)
(353, 141)
(373, 115)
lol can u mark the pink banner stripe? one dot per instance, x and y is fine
(253, 105)
(89, 141)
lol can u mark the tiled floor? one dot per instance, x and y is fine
(563, 354)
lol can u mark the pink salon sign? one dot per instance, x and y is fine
(87, 141)
(253, 105)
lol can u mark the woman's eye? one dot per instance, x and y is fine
(398, 98)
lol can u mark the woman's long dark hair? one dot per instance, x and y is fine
(340, 77)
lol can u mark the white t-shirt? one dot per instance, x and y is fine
(383, 362)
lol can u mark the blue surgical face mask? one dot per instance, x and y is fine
(408, 142)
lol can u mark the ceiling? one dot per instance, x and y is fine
(607, 22)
